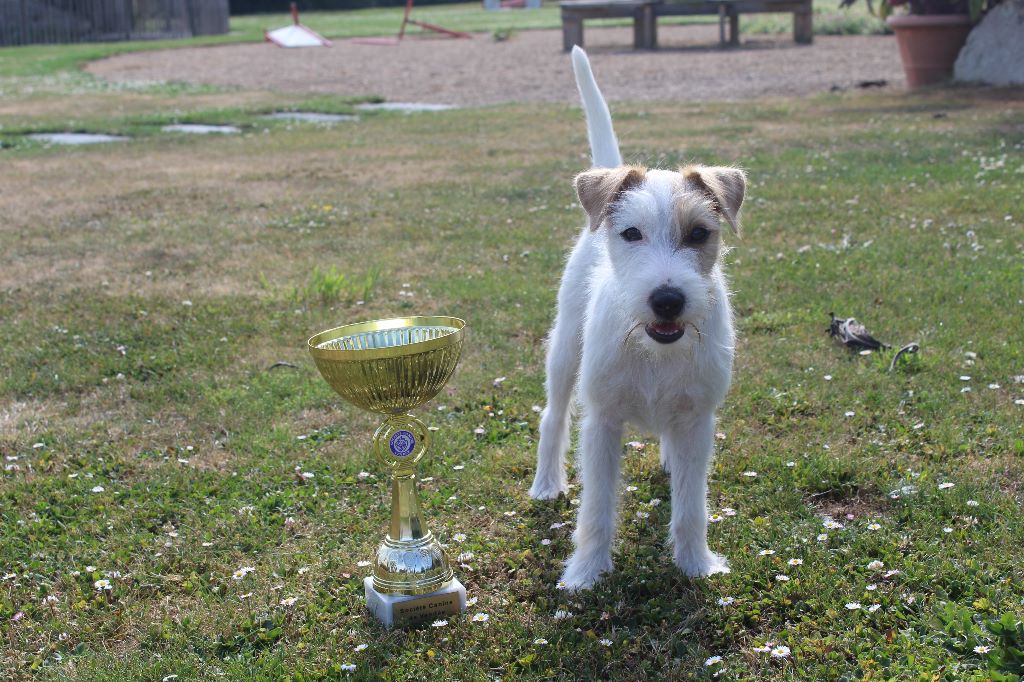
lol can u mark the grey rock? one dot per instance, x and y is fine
(994, 52)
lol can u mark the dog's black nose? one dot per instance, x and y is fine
(667, 302)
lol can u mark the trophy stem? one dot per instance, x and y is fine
(406, 521)
(410, 561)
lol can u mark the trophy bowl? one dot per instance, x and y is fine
(390, 367)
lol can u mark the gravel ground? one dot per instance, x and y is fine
(530, 67)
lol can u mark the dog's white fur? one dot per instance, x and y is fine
(599, 344)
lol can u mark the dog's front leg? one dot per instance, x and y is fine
(687, 449)
(599, 459)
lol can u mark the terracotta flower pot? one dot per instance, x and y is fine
(929, 45)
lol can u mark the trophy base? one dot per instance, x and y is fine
(401, 609)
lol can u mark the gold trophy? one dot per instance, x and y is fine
(390, 367)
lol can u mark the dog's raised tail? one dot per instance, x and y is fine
(604, 147)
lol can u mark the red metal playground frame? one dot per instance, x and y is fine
(407, 19)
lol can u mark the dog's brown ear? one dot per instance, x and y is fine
(599, 188)
(725, 187)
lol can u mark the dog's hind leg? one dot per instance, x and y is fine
(688, 448)
(563, 362)
(562, 366)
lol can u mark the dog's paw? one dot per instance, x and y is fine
(581, 573)
(701, 564)
(545, 489)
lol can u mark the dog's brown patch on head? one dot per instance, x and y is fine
(723, 187)
(698, 227)
(599, 188)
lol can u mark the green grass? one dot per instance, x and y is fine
(149, 290)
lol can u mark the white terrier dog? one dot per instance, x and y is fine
(644, 331)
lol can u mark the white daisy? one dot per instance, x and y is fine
(795, 562)
(725, 601)
(480, 618)
(712, 661)
(780, 651)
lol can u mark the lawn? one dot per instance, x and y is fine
(152, 444)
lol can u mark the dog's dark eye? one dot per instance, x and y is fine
(631, 234)
(698, 235)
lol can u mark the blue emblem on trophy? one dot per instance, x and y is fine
(402, 443)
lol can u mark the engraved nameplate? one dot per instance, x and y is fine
(413, 611)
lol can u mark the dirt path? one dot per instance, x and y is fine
(530, 67)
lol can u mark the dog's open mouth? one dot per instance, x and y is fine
(664, 332)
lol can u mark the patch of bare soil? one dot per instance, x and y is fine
(531, 67)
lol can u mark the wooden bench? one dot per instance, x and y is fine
(645, 15)
(642, 11)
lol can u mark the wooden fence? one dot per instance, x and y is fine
(74, 21)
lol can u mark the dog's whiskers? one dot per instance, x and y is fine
(700, 336)
(632, 329)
